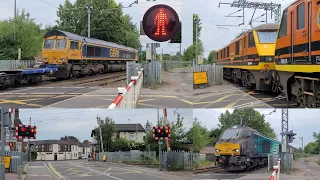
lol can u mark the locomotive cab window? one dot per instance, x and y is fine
(266, 146)
(267, 36)
(251, 40)
(74, 45)
(228, 52)
(301, 16)
(48, 44)
(61, 43)
(283, 25)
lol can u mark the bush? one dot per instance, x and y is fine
(177, 167)
(195, 164)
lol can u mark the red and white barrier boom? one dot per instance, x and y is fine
(276, 172)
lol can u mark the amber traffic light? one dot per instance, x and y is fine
(10, 144)
(160, 23)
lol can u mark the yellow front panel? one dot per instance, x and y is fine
(53, 55)
(264, 49)
(227, 148)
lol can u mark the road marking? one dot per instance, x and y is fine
(145, 100)
(55, 171)
(218, 100)
(20, 102)
(150, 105)
(236, 101)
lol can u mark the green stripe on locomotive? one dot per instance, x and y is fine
(265, 146)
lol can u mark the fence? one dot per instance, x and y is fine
(150, 79)
(214, 73)
(132, 69)
(129, 156)
(128, 97)
(16, 64)
(17, 158)
(199, 157)
(167, 65)
(176, 160)
(2, 171)
(273, 159)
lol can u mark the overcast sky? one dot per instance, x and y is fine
(44, 12)
(302, 121)
(57, 123)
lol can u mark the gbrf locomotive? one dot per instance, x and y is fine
(243, 148)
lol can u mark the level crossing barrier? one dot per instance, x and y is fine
(276, 172)
(128, 96)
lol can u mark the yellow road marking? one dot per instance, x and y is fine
(235, 102)
(215, 101)
(55, 171)
(145, 100)
(150, 105)
(20, 102)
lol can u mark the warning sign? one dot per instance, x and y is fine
(7, 160)
(200, 78)
(104, 157)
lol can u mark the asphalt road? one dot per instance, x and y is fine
(84, 170)
(233, 96)
(175, 91)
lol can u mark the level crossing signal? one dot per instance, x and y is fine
(23, 131)
(161, 132)
(160, 23)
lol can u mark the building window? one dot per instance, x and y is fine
(301, 16)
(59, 147)
(42, 148)
(50, 147)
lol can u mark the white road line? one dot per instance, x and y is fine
(51, 171)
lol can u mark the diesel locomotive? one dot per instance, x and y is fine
(75, 55)
(243, 148)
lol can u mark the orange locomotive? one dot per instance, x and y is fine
(297, 54)
(249, 59)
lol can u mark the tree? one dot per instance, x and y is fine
(195, 18)
(118, 27)
(148, 126)
(310, 148)
(212, 56)
(199, 135)
(316, 136)
(251, 118)
(108, 131)
(178, 134)
(29, 37)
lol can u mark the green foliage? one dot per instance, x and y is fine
(189, 54)
(251, 118)
(108, 130)
(121, 144)
(29, 37)
(212, 56)
(199, 136)
(71, 138)
(310, 148)
(107, 22)
(177, 37)
(195, 164)
(316, 136)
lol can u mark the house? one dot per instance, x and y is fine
(131, 132)
(84, 150)
(55, 150)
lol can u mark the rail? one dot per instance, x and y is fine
(128, 96)
(276, 172)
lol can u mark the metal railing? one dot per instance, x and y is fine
(176, 160)
(129, 156)
(276, 172)
(17, 159)
(214, 73)
(152, 73)
(16, 64)
(128, 96)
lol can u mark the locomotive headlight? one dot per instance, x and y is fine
(62, 59)
(236, 150)
(44, 59)
(217, 150)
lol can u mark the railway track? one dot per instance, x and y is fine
(99, 80)
(207, 169)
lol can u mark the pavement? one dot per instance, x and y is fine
(175, 91)
(83, 170)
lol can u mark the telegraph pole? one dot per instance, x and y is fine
(302, 142)
(89, 8)
(197, 22)
(14, 24)
(99, 123)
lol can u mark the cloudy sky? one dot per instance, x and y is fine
(57, 123)
(44, 12)
(302, 121)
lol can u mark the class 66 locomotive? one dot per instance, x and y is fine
(75, 56)
(244, 148)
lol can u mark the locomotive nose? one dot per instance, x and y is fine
(227, 149)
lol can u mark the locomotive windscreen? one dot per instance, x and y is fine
(267, 36)
(230, 133)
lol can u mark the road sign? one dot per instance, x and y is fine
(200, 59)
(160, 142)
(200, 78)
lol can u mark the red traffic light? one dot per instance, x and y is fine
(10, 144)
(23, 129)
(32, 130)
(160, 23)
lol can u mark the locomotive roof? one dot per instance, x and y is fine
(76, 37)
